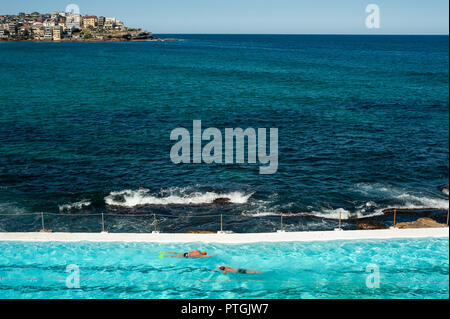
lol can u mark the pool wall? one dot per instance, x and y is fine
(230, 238)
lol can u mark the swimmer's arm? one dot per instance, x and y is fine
(173, 255)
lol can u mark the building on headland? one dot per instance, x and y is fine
(110, 23)
(60, 25)
(23, 31)
(38, 32)
(101, 22)
(73, 21)
(48, 33)
(57, 32)
(49, 23)
(12, 28)
(119, 25)
(54, 15)
(90, 22)
(61, 20)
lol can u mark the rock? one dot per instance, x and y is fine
(199, 232)
(444, 189)
(421, 223)
(222, 201)
(369, 224)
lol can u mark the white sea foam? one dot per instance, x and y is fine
(412, 201)
(132, 198)
(378, 194)
(77, 205)
(404, 197)
(264, 214)
(11, 208)
(262, 208)
(345, 214)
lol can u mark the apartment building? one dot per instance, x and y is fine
(90, 22)
(57, 33)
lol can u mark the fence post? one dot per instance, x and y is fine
(395, 216)
(43, 224)
(221, 223)
(103, 223)
(281, 222)
(43, 230)
(339, 223)
(448, 210)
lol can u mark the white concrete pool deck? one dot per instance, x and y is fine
(229, 238)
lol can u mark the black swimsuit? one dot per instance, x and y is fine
(242, 271)
(186, 255)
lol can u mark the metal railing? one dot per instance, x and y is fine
(155, 218)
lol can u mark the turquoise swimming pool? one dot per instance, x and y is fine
(406, 268)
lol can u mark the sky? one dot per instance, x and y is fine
(257, 16)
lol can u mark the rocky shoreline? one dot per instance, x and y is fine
(109, 37)
(93, 40)
(96, 40)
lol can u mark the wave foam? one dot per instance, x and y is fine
(140, 197)
(77, 205)
(346, 214)
(416, 202)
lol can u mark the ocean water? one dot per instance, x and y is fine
(85, 129)
(405, 268)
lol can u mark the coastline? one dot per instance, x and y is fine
(95, 40)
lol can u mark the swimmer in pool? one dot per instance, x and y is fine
(227, 269)
(193, 254)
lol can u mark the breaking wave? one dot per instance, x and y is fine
(402, 198)
(345, 214)
(175, 196)
(77, 205)
(444, 189)
(412, 201)
(389, 197)
(381, 198)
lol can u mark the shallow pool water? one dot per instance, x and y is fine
(406, 268)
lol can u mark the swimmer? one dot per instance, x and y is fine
(193, 254)
(227, 269)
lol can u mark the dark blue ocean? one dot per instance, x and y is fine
(85, 129)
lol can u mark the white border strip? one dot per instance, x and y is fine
(232, 238)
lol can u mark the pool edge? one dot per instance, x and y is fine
(233, 238)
